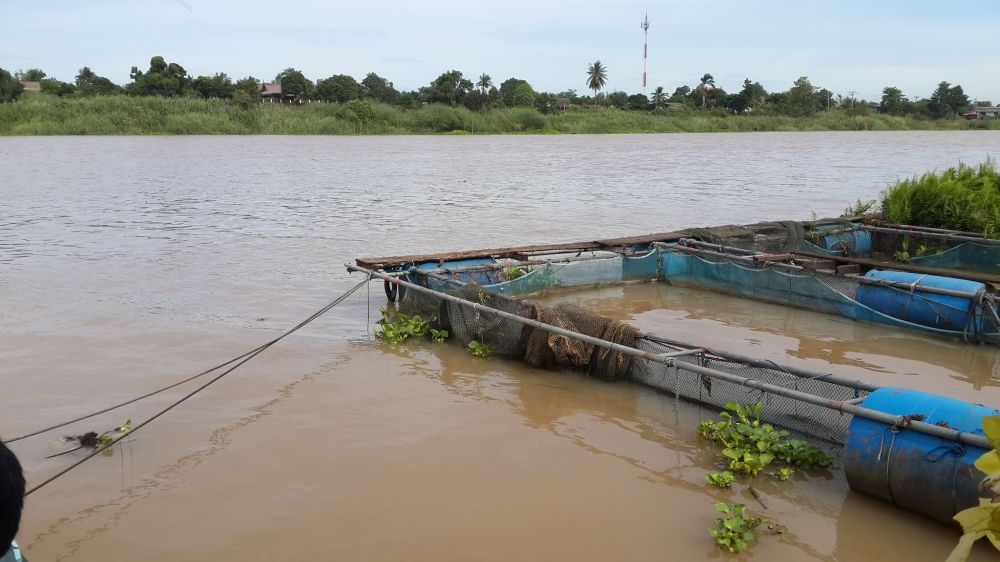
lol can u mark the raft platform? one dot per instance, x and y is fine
(913, 449)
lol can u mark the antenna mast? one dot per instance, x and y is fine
(645, 48)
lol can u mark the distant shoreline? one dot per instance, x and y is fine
(123, 115)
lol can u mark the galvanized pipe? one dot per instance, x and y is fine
(874, 415)
(795, 371)
(495, 266)
(682, 353)
(717, 247)
(962, 238)
(846, 407)
(914, 228)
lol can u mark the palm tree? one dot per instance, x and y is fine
(597, 77)
(659, 97)
(706, 82)
(485, 82)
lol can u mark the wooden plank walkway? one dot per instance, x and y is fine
(516, 252)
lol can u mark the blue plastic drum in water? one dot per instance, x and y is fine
(916, 471)
(943, 312)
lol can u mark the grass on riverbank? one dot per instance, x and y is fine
(121, 115)
(963, 198)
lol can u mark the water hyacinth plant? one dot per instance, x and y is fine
(396, 327)
(750, 446)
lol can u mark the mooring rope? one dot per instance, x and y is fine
(242, 359)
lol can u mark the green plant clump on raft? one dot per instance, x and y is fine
(964, 198)
(513, 272)
(395, 327)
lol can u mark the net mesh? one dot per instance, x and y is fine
(851, 296)
(598, 268)
(784, 236)
(931, 250)
(512, 339)
(509, 338)
(726, 274)
(802, 417)
(909, 307)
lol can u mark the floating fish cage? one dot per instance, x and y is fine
(927, 247)
(946, 306)
(928, 250)
(962, 305)
(913, 449)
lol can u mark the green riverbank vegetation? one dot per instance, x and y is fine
(962, 198)
(164, 100)
(123, 115)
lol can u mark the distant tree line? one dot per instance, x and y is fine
(170, 79)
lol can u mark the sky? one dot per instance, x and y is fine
(845, 46)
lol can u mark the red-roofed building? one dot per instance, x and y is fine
(271, 91)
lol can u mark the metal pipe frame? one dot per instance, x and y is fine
(867, 413)
(891, 420)
(754, 362)
(914, 228)
(930, 234)
(718, 247)
(496, 266)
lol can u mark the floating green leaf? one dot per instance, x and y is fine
(734, 530)
(722, 479)
(478, 349)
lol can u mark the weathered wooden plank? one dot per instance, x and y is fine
(499, 253)
(771, 257)
(516, 252)
(643, 239)
(849, 269)
(810, 263)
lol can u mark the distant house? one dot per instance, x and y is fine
(983, 113)
(271, 92)
(31, 86)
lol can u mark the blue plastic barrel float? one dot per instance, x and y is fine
(913, 470)
(839, 242)
(934, 310)
(483, 277)
(855, 242)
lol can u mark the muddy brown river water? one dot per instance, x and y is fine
(129, 263)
